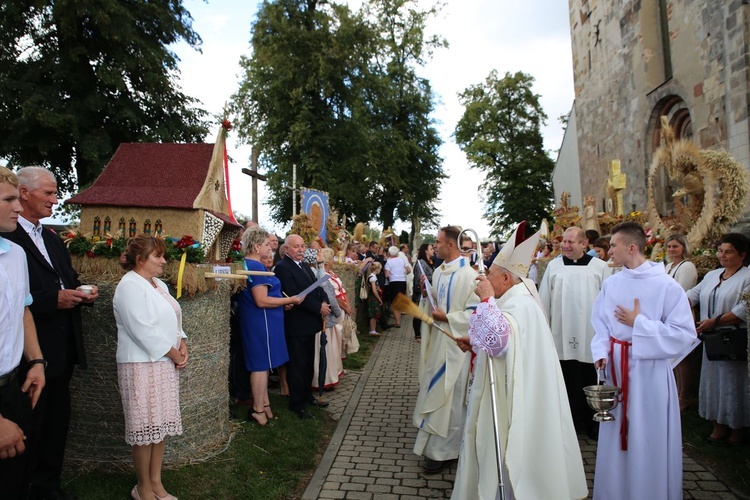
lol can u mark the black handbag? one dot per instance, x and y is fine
(725, 343)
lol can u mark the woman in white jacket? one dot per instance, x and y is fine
(150, 349)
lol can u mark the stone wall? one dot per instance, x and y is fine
(625, 77)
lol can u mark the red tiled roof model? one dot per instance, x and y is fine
(150, 175)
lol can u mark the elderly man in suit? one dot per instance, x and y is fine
(301, 323)
(57, 316)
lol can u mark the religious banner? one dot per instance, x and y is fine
(315, 204)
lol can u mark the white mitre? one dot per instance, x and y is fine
(516, 254)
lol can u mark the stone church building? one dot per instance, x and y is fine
(638, 60)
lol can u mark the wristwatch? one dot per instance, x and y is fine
(42, 362)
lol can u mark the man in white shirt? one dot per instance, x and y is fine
(56, 309)
(17, 338)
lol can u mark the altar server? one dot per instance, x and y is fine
(642, 321)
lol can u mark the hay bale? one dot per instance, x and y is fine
(97, 429)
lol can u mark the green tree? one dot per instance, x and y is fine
(297, 103)
(79, 77)
(499, 132)
(322, 91)
(405, 141)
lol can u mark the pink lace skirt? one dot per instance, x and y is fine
(151, 401)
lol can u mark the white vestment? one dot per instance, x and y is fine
(568, 294)
(537, 437)
(652, 465)
(444, 369)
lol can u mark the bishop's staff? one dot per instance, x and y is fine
(493, 397)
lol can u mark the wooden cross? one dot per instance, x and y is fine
(256, 177)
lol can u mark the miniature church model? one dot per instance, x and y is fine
(163, 189)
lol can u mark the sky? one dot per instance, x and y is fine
(532, 36)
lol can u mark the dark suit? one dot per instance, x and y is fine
(61, 341)
(301, 323)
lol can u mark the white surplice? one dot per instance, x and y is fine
(444, 369)
(652, 465)
(568, 294)
(538, 440)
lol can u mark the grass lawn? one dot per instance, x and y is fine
(271, 462)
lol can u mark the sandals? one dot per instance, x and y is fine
(253, 415)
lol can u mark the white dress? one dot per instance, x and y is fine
(723, 394)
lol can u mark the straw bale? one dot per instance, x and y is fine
(347, 273)
(96, 438)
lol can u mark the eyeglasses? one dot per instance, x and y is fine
(467, 249)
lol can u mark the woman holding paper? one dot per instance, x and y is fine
(261, 317)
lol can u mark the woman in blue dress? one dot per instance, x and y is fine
(261, 317)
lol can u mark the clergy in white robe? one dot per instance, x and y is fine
(538, 443)
(642, 321)
(568, 290)
(443, 375)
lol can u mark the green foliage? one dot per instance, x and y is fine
(77, 78)
(500, 134)
(403, 237)
(335, 93)
(429, 238)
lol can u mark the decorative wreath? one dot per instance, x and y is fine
(712, 196)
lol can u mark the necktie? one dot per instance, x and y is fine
(36, 235)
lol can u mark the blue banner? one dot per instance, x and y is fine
(315, 204)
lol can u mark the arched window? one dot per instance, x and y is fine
(674, 108)
(131, 228)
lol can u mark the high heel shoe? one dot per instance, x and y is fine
(134, 493)
(268, 412)
(168, 497)
(251, 416)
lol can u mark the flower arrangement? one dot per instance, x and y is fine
(112, 246)
(235, 251)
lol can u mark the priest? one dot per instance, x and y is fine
(643, 326)
(568, 290)
(539, 452)
(444, 369)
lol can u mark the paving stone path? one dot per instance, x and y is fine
(370, 454)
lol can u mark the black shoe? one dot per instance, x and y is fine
(319, 403)
(434, 466)
(305, 415)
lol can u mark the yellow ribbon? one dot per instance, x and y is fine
(181, 271)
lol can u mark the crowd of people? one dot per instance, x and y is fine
(503, 361)
(605, 314)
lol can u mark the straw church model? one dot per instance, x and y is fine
(163, 189)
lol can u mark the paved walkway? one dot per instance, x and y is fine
(370, 454)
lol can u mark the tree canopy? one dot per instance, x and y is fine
(79, 77)
(500, 133)
(335, 92)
